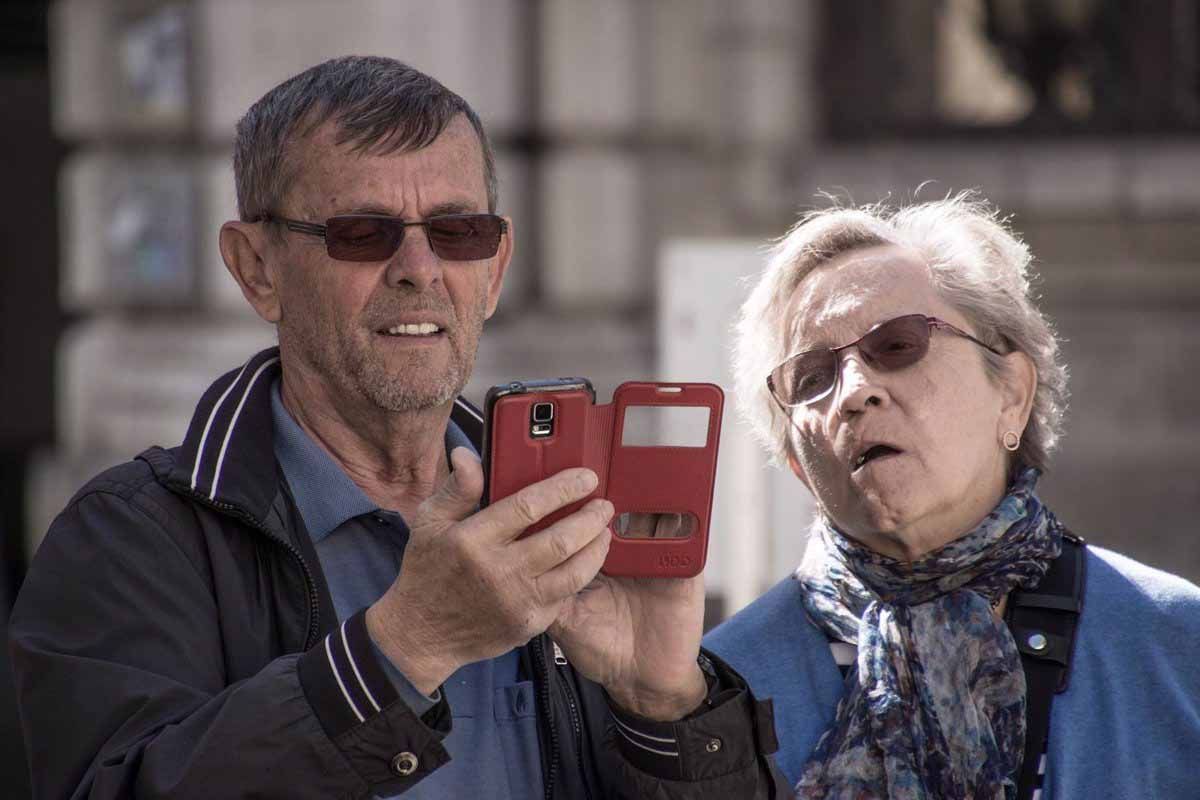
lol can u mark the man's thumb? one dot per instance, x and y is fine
(458, 495)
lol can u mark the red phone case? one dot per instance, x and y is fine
(655, 479)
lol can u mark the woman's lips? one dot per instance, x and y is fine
(873, 454)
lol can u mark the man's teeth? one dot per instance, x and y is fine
(418, 329)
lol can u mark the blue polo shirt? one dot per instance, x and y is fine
(493, 744)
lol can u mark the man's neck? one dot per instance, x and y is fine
(396, 458)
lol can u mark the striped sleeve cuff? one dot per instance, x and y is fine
(382, 738)
(649, 745)
(726, 734)
(343, 678)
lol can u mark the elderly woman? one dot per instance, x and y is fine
(895, 360)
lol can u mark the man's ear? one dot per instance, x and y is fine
(244, 250)
(1018, 386)
(498, 266)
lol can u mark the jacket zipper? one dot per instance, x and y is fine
(560, 660)
(314, 603)
(539, 645)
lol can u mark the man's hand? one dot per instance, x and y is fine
(469, 589)
(639, 638)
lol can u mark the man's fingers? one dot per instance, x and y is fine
(571, 576)
(458, 496)
(546, 549)
(518, 511)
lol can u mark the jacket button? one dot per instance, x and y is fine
(713, 745)
(404, 764)
(1037, 642)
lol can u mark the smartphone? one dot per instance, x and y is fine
(532, 429)
(660, 485)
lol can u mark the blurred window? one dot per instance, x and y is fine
(969, 67)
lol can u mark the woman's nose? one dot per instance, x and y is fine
(858, 385)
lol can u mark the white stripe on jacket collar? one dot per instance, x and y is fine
(208, 424)
(216, 479)
(212, 494)
(212, 415)
(458, 401)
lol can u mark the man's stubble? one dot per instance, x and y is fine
(349, 358)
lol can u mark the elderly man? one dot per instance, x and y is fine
(303, 600)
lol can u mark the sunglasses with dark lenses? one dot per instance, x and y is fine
(901, 342)
(376, 237)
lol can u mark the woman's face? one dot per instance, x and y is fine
(943, 416)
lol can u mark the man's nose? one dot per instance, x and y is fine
(414, 264)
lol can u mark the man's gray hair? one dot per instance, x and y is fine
(979, 266)
(380, 106)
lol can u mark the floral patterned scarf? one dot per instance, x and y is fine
(935, 706)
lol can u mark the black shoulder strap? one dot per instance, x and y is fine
(1043, 621)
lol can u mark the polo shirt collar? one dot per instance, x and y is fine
(325, 495)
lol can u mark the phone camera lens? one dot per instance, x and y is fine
(543, 412)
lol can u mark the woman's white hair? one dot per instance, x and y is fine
(979, 266)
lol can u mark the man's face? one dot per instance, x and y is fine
(347, 324)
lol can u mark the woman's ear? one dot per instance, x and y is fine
(794, 463)
(244, 250)
(1018, 386)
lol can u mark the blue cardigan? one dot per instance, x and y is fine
(1128, 725)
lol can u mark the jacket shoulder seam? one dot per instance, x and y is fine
(136, 497)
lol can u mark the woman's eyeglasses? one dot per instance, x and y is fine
(901, 342)
(376, 237)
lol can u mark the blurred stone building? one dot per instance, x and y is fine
(647, 148)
